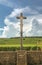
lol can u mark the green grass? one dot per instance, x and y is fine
(15, 42)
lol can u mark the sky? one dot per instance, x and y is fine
(10, 26)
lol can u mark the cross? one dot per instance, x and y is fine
(21, 17)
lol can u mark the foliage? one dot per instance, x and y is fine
(14, 43)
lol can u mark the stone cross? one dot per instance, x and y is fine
(21, 17)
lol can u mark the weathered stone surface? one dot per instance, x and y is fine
(35, 57)
(21, 57)
(18, 57)
(7, 57)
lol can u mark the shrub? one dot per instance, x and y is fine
(36, 48)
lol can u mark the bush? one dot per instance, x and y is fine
(18, 48)
(35, 48)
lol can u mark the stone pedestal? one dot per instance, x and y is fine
(21, 57)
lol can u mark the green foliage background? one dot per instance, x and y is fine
(14, 43)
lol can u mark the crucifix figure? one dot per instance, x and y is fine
(21, 17)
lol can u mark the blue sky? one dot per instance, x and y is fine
(9, 25)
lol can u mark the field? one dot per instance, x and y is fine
(15, 42)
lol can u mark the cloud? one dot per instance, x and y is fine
(1, 29)
(30, 11)
(7, 3)
(15, 12)
(13, 29)
(26, 10)
(31, 24)
(36, 28)
(39, 8)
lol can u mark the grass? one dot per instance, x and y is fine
(12, 44)
(15, 42)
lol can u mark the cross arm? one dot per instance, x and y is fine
(18, 17)
(24, 18)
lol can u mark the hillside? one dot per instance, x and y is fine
(15, 42)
